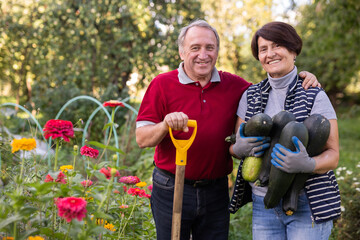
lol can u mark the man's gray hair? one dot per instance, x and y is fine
(196, 23)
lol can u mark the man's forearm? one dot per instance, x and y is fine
(151, 135)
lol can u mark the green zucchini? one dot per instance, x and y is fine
(258, 125)
(280, 181)
(319, 130)
(279, 121)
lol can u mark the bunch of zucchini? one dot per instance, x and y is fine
(313, 133)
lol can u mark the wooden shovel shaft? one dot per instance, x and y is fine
(178, 201)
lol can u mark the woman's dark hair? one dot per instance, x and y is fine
(280, 33)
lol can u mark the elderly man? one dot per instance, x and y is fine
(196, 90)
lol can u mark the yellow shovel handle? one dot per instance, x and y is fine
(183, 145)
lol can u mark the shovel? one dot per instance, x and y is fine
(181, 155)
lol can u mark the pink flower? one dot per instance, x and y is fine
(107, 172)
(87, 183)
(116, 191)
(48, 178)
(113, 103)
(129, 180)
(71, 207)
(125, 188)
(150, 187)
(56, 128)
(61, 178)
(88, 151)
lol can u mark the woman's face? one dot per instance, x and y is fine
(276, 60)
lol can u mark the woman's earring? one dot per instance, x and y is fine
(294, 59)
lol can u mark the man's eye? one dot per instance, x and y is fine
(195, 48)
(210, 48)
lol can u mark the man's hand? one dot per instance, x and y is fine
(292, 162)
(177, 121)
(309, 80)
(249, 146)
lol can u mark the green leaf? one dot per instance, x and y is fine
(25, 211)
(100, 145)
(108, 125)
(10, 220)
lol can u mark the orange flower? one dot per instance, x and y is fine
(27, 144)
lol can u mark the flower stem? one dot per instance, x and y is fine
(22, 166)
(107, 194)
(67, 234)
(123, 229)
(74, 163)
(110, 133)
(56, 154)
(15, 230)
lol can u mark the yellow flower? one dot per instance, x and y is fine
(23, 144)
(100, 221)
(65, 168)
(36, 238)
(87, 198)
(141, 184)
(110, 227)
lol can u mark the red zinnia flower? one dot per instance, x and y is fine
(61, 178)
(88, 151)
(48, 178)
(56, 128)
(107, 172)
(113, 103)
(129, 180)
(71, 207)
(87, 183)
(150, 187)
(137, 192)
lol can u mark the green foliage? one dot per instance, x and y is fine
(348, 227)
(236, 22)
(27, 200)
(52, 50)
(331, 31)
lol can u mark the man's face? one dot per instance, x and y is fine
(199, 53)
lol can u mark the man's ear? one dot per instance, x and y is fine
(181, 53)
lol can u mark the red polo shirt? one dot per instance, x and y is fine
(213, 107)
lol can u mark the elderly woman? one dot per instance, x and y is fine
(276, 45)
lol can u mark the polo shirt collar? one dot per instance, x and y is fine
(184, 79)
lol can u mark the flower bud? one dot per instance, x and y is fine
(113, 171)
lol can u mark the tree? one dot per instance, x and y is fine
(236, 22)
(68, 48)
(331, 32)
